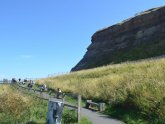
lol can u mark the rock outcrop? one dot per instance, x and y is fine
(135, 38)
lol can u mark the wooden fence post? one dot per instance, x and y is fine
(101, 107)
(55, 109)
(63, 97)
(79, 109)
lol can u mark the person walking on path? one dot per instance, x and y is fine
(59, 93)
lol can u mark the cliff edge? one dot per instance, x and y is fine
(139, 37)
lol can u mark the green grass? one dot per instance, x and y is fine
(129, 115)
(85, 121)
(74, 100)
(17, 107)
(70, 117)
(136, 85)
(38, 111)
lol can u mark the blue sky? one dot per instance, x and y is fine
(42, 37)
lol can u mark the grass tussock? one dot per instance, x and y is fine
(13, 106)
(136, 85)
(16, 107)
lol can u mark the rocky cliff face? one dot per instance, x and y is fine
(139, 37)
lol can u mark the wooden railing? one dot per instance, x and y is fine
(46, 96)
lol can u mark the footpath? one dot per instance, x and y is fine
(93, 116)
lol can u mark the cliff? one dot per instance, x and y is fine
(138, 37)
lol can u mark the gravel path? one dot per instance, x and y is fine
(98, 118)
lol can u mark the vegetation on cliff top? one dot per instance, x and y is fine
(135, 86)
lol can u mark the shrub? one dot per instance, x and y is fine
(14, 108)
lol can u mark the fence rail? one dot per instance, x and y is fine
(49, 98)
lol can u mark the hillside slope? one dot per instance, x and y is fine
(107, 79)
(136, 38)
(136, 86)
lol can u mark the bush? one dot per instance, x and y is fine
(14, 108)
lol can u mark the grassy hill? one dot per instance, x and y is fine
(134, 86)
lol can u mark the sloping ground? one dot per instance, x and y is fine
(17, 108)
(90, 83)
(138, 86)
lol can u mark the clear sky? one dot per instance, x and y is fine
(42, 37)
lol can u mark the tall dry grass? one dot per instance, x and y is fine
(19, 108)
(114, 81)
(14, 107)
(137, 84)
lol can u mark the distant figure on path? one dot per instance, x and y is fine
(43, 87)
(19, 79)
(33, 82)
(25, 80)
(30, 85)
(59, 93)
(13, 80)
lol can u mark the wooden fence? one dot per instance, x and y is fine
(49, 98)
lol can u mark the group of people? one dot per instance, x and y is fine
(42, 87)
(31, 83)
(21, 81)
